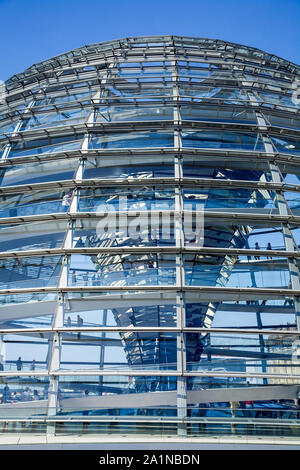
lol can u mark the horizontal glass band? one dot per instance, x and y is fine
(111, 325)
(259, 159)
(237, 252)
(275, 377)
(145, 309)
(260, 218)
(201, 229)
(134, 185)
(111, 135)
(228, 293)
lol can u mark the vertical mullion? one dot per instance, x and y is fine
(180, 281)
(2, 350)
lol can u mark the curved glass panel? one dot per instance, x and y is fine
(126, 199)
(31, 204)
(286, 145)
(134, 113)
(56, 118)
(119, 230)
(241, 200)
(217, 115)
(138, 167)
(41, 172)
(222, 140)
(31, 235)
(121, 270)
(25, 272)
(132, 140)
(38, 147)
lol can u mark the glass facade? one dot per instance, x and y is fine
(149, 241)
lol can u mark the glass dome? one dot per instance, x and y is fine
(149, 237)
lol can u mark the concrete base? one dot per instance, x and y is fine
(84, 442)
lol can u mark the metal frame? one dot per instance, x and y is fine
(175, 63)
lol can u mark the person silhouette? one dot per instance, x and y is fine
(269, 247)
(257, 247)
(19, 364)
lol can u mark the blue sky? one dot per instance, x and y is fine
(34, 30)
